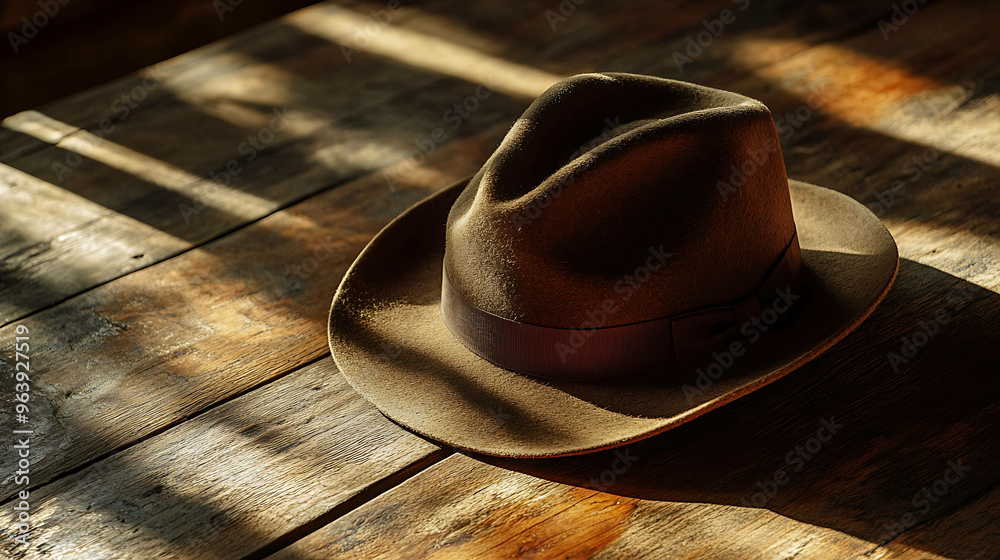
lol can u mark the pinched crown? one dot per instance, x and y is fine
(618, 198)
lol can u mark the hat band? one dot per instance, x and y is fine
(616, 352)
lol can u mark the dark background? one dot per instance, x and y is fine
(89, 42)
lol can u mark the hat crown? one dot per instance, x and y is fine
(617, 199)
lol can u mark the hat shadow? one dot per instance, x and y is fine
(848, 440)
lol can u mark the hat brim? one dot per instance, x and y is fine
(388, 338)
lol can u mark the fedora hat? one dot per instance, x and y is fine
(630, 257)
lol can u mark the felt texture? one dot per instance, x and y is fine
(388, 337)
(542, 237)
(389, 340)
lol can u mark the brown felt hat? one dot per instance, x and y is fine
(631, 257)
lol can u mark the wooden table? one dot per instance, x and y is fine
(172, 241)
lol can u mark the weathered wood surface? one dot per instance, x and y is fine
(461, 508)
(255, 471)
(181, 171)
(141, 354)
(45, 62)
(127, 365)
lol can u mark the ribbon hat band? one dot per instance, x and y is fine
(655, 346)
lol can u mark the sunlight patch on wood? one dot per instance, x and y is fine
(360, 34)
(85, 143)
(870, 92)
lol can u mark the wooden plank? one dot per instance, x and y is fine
(138, 355)
(120, 38)
(13, 144)
(650, 37)
(251, 472)
(43, 224)
(978, 517)
(460, 508)
(578, 44)
(911, 135)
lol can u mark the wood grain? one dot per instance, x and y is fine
(89, 42)
(461, 508)
(247, 474)
(168, 169)
(140, 354)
